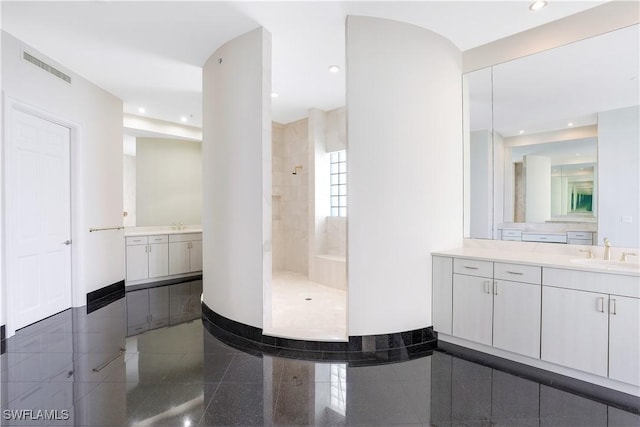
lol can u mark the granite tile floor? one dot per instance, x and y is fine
(181, 376)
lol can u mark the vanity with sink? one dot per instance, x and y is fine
(562, 312)
(163, 276)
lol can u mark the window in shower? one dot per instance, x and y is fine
(338, 161)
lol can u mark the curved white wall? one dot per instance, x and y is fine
(236, 152)
(404, 115)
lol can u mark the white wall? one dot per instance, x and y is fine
(236, 148)
(168, 181)
(619, 177)
(404, 114)
(96, 161)
(129, 189)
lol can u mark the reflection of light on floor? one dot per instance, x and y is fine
(338, 400)
(174, 411)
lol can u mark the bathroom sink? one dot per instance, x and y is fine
(607, 265)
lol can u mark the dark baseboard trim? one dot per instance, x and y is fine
(624, 401)
(358, 351)
(166, 282)
(104, 296)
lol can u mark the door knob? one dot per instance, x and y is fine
(67, 242)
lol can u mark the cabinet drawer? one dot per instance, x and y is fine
(163, 238)
(473, 267)
(137, 240)
(185, 237)
(518, 273)
(588, 242)
(579, 235)
(512, 233)
(549, 238)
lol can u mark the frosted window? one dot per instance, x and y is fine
(338, 181)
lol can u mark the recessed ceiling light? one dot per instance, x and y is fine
(570, 124)
(577, 154)
(537, 5)
(521, 131)
(274, 95)
(183, 119)
(334, 68)
(142, 110)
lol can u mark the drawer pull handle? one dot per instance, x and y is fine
(105, 364)
(470, 268)
(613, 306)
(495, 288)
(517, 273)
(600, 305)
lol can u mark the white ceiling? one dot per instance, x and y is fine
(150, 53)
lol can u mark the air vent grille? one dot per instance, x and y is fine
(48, 68)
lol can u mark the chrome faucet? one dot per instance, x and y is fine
(607, 249)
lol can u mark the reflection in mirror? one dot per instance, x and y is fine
(586, 93)
(553, 181)
(478, 149)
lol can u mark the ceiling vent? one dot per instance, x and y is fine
(48, 68)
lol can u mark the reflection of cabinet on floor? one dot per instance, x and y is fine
(155, 307)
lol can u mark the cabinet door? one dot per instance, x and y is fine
(137, 262)
(624, 339)
(158, 307)
(442, 294)
(575, 329)
(195, 256)
(158, 260)
(179, 257)
(137, 311)
(516, 317)
(472, 308)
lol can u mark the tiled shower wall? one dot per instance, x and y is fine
(290, 196)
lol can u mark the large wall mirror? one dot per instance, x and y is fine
(532, 139)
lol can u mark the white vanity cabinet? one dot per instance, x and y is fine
(442, 275)
(591, 322)
(497, 304)
(185, 253)
(147, 257)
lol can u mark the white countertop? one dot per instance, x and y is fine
(155, 230)
(577, 261)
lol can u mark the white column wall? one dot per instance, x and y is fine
(619, 177)
(95, 117)
(537, 184)
(236, 153)
(404, 115)
(481, 174)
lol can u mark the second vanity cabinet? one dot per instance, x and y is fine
(497, 304)
(147, 257)
(185, 253)
(154, 257)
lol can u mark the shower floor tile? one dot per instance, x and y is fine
(307, 310)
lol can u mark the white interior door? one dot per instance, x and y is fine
(38, 220)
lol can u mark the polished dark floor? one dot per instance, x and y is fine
(181, 376)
